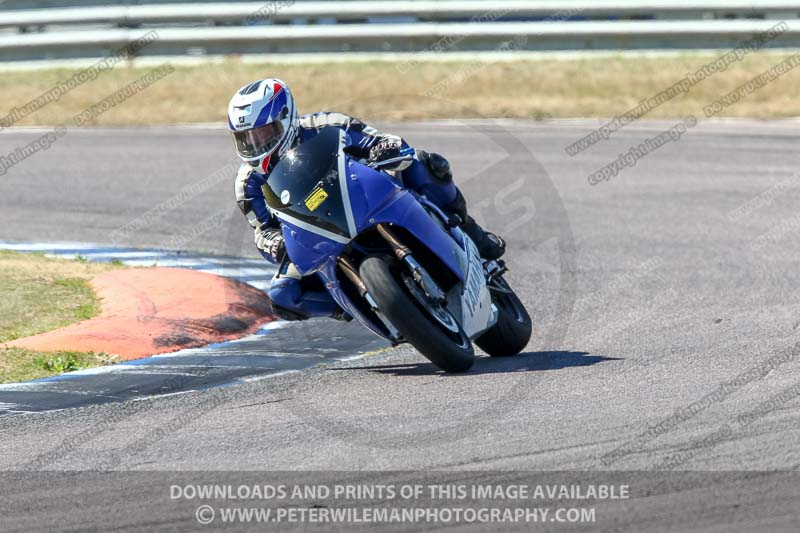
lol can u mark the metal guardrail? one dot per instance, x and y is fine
(400, 37)
(443, 10)
(259, 27)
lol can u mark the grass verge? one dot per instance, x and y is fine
(42, 294)
(19, 364)
(591, 87)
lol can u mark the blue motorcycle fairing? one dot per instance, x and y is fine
(324, 199)
(329, 276)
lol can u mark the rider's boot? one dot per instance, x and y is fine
(489, 245)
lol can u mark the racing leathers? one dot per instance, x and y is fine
(297, 297)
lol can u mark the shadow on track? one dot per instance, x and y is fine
(524, 362)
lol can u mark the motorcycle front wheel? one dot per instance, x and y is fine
(430, 328)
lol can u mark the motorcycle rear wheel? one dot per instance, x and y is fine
(449, 348)
(513, 328)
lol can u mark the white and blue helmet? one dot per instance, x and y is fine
(263, 120)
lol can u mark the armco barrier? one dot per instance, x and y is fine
(214, 28)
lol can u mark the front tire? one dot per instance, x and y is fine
(449, 350)
(512, 331)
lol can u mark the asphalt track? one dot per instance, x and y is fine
(665, 314)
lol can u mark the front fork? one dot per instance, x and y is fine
(352, 274)
(420, 275)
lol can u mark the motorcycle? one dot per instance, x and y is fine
(390, 258)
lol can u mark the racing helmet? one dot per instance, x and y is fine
(263, 120)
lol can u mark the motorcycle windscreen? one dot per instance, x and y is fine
(305, 186)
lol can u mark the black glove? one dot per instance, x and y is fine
(387, 149)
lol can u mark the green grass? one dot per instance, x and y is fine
(19, 364)
(39, 295)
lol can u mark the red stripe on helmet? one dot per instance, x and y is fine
(277, 88)
(265, 162)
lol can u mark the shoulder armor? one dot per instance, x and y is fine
(323, 118)
(241, 180)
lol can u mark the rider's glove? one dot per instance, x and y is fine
(271, 242)
(388, 150)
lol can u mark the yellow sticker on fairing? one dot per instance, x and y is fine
(315, 199)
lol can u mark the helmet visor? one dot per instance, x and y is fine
(258, 141)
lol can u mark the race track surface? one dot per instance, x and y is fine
(664, 303)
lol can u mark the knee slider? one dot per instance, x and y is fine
(284, 296)
(437, 165)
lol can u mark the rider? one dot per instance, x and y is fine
(264, 122)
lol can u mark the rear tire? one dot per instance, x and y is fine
(511, 333)
(450, 351)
